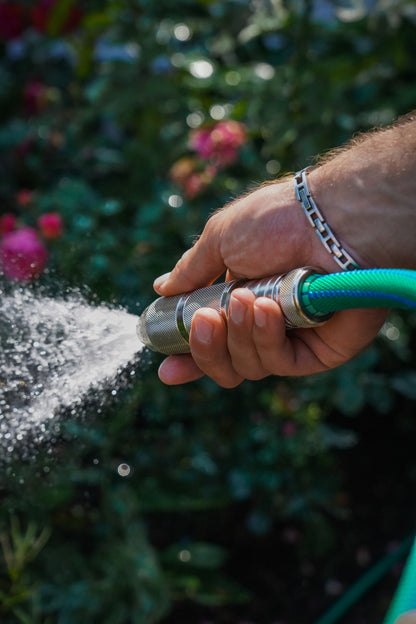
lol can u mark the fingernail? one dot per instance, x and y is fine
(203, 330)
(237, 311)
(159, 281)
(260, 316)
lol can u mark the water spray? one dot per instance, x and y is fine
(307, 298)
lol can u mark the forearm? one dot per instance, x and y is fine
(367, 193)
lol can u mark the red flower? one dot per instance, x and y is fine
(51, 226)
(42, 14)
(12, 20)
(7, 223)
(219, 143)
(22, 255)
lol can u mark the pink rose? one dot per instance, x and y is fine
(7, 223)
(51, 226)
(200, 141)
(195, 184)
(22, 255)
(219, 143)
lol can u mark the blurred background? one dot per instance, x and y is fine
(123, 125)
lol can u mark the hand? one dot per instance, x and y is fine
(264, 233)
(407, 618)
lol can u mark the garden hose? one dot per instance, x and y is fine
(307, 298)
(405, 596)
(373, 288)
(404, 599)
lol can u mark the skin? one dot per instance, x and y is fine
(407, 618)
(366, 192)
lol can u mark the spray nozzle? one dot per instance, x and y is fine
(166, 324)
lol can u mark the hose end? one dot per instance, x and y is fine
(290, 290)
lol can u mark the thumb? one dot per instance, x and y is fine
(407, 618)
(199, 266)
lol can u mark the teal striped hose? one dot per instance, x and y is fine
(405, 596)
(373, 288)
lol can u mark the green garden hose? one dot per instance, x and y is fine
(374, 288)
(405, 596)
(351, 597)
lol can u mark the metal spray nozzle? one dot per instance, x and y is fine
(165, 325)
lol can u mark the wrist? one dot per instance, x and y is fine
(375, 225)
(366, 193)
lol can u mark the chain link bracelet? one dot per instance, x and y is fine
(317, 221)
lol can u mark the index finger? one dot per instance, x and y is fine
(199, 266)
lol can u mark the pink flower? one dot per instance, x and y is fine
(219, 143)
(7, 223)
(51, 226)
(12, 20)
(190, 177)
(22, 255)
(195, 184)
(200, 141)
(35, 97)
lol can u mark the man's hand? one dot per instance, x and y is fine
(264, 233)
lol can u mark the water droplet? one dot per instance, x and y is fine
(123, 470)
(175, 201)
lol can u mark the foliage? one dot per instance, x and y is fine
(102, 103)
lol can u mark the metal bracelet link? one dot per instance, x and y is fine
(317, 221)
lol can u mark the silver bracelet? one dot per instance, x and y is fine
(317, 221)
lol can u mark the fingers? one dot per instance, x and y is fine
(255, 343)
(241, 347)
(251, 345)
(199, 266)
(208, 341)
